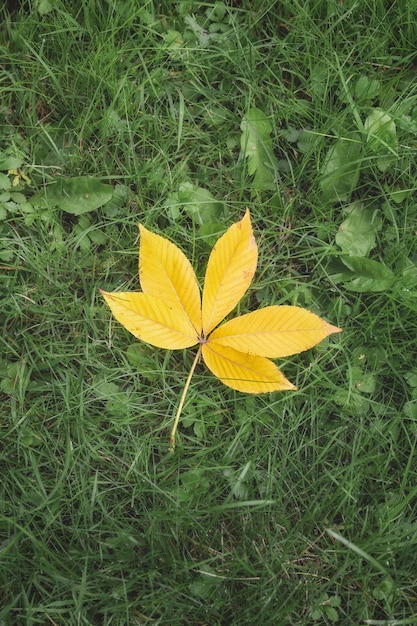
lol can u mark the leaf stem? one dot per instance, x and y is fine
(181, 404)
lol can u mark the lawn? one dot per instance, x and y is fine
(290, 508)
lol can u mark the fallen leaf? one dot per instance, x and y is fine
(170, 314)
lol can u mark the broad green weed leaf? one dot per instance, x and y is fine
(397, 194)
(369, 356)
(351, 402)
(366, 275)
(381, 132)
(319, 80)
(198, 203)
(55, 146)
(340, 173)
(104, 389)
(76, 195)
(174, 43)
(9, 162)
(256, 146)
(210, 231)
(364, 382)
(5, 183)
(382, 137)
(366, 88)
(357, 234)
(410, 409)
(139, 357)
(409, 274)
(203, 206)
(168, 313)
(406, 122)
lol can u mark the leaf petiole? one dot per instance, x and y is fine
(181, 404)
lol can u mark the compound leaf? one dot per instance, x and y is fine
(168, 313)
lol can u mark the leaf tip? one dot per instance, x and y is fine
(288, 386)
(111, 296)
(246, 223)
(246, 217)
(333, 329)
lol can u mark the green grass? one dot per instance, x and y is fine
(289, 509)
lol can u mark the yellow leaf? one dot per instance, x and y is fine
(152, 320)
(244, 372)
(169, 313)
(275, 331)
(230, 270)
(166, 273)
